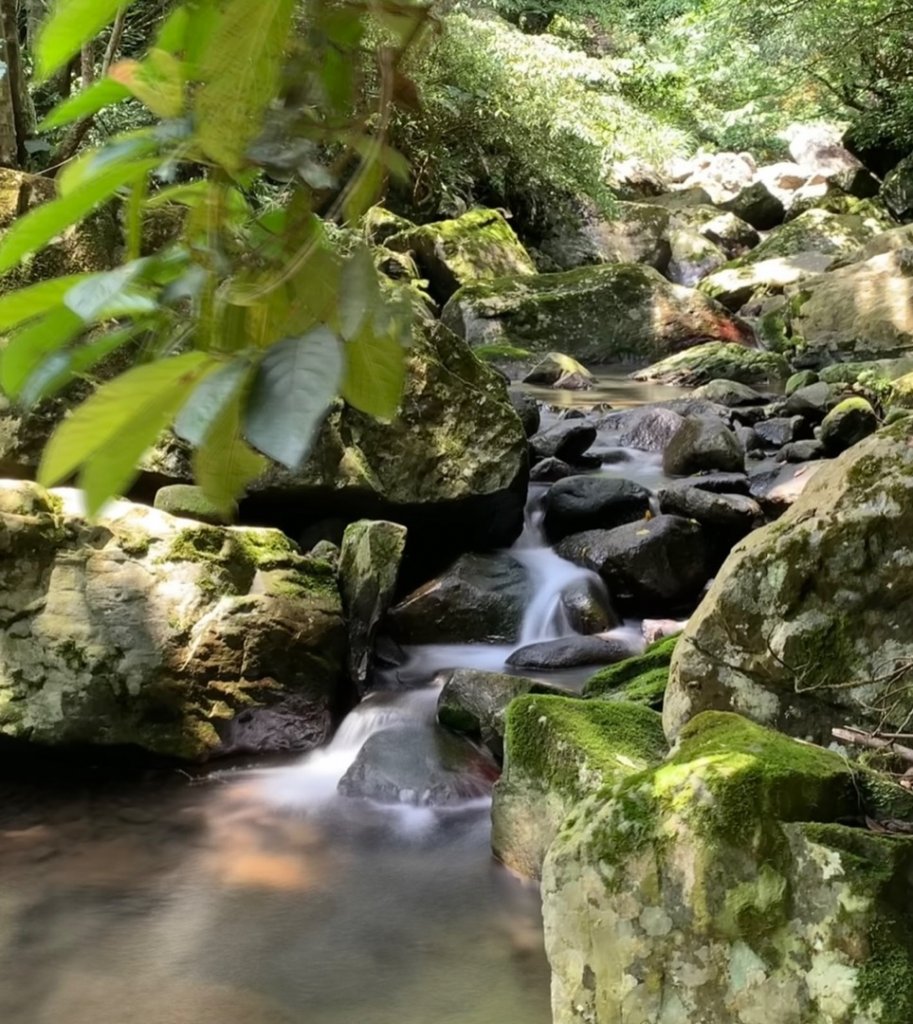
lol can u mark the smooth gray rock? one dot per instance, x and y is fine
(580, 503)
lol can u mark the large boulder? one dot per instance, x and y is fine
(651, 566)
(897, 190)
(723, 887)
(703, 444)
(809, 624)
(479, 599)
(758, 206)
(847, 424)
(479, 246)
(451, 467)
(557, 750)
(648, 428)
(735, 284)
(600, 314)
(473, 702)
(704, 363)
(859, 312)
(369, 564)
(817, 231)
(580, 503)
(635, 233)
(144, 630)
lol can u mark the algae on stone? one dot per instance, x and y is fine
(640, 680)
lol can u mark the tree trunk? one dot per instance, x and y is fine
(87, 64)
(14, 120)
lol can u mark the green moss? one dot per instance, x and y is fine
(190, 502)
(755, 908)
(492, 353)
(641, 680)
(716, 360)
(553, 739)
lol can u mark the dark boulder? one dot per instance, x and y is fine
(580, 503)
(703, 444)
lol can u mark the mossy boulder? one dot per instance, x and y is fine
(473, 702)
(902, 392)
(718, 888)
(600, 314)
(369, 564)
(897, 190)
(634, 233)
(640, 680)
(887, 241)
(190, 502)
(715, 360)
(847, 424)
(479, 246)
(558, 750)
(379, 224)
(144, 630)
(555, 368)
(863, 311)
(736, 284)
(809, 624)
(817, 231)
(732, 234)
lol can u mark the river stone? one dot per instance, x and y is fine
(647, 428)
(694, 256)
(731, 512)
(473, 702)
(479, 246)
(479, 599)
(421, 766)
(580, 503)
(703, 444)
(809, 623)
(780, 430)
(369, 563)
(641, 679)
(800, 379)
(550, 470)
(670, 896)
(588, 608)
(863, 311)
(717, 483)
(557, 750)
(730, 393)
(571, 651)
(897, 190)
(566, 440)
(801, 451)
(602, 314)
(148, 631)
(847, 424)
(813, 401)
(555, 367)
(704, 363)
(656, 565)
(758, 206)
(527, 409)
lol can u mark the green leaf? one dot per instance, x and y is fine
(101, 94)
(205, 405)
(39, 226)
(375, 374)
(157, 82)
(172, 35)
(94, 295)
(225, 464)
(71, 24)
(57, 370)
(359, 292)
(241, 67)
(295, 384)
(122, 150)
(26, 303)
(25, 350)
(109, 432)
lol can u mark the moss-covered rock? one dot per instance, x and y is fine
(148, 631)
(735, 284)
(808, 625)
(369, 563)
(897, 190)
(847, 423)
(479, 246)
(640, 680)
(902, 392)
(716, 360)
(601, 314)
(557, 750)
(379, 224)
(473, 702)
(863, 311)
(190, 502)
(832, 234)
(717, 889)
(634, 233)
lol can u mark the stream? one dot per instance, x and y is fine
(257, 894)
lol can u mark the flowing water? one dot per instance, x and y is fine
(259, 895)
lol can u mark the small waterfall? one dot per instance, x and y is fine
(546, 617)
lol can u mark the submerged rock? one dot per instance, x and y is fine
(808, 625)
(671, 897)
(153, 632)
(600, 314)
(369, 563)
(479, 599)
(557, 751)
(424, 767)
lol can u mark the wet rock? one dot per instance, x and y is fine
(730, 393)
(567, 440)
(549, 470)
(473, 702)
(659, 564)
(847, 424)
(801, 451)
(479, 599)
(703, 444)
(588, 607)
(574, 382)
(813, 401)
(800, 379)
(717, 483)
(369, 563)
(822, 599)
(571, 651)
(558, 751)
(734, 513)
(647, 428)
(776, 432)
(419, 766)
(527, 409)
(580, 503)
